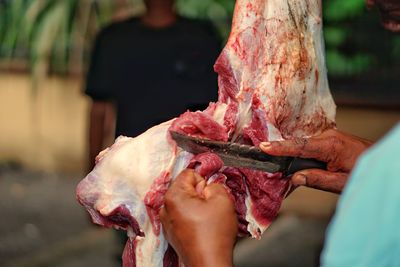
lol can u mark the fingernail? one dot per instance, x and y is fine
(265, 145)
(299, 179)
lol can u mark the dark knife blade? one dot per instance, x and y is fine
(232, 154)
(245, 156)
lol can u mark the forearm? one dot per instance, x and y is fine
(201, 226)
(97, 130)
(204, 249)
(211, 258)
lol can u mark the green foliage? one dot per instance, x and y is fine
(343, 65)
(218, 11)
(57, 33)
(335, 36)
(356, 43)
(337, 10)
(42, 30)
(12, 25)
(211, 9)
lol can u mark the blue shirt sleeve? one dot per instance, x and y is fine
(365, 231)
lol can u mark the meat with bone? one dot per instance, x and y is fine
(272, 86)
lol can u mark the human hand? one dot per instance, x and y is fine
(390, 13)
(339, 150)
(199, 221)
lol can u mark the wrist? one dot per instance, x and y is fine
(210, 257)
(210, 261)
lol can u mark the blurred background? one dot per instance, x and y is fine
(45, 48)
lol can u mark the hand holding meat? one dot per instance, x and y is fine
(338, 149)
(272, 86)
(199, 221)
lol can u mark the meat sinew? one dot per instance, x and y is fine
(272, 86)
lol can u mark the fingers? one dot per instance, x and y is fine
(212, 190)
(187, 186)
(326, 147)
(319, 179)
(189, 177)
(200, 187)
(298, 147)
(188, 182)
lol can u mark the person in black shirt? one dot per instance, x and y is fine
(150, 69)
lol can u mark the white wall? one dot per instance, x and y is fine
(46, 129)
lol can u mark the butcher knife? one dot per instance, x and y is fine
(245, 156)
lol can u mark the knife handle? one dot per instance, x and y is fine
(299, 164)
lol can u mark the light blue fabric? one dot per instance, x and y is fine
(365, 231)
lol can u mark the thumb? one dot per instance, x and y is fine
(187, 183)
(320, 179)
(200, 187)
(188, 177)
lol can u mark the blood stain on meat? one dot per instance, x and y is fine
(272, 86)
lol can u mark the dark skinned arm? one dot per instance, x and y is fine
(339, 150)
(101, 128)
(199, 221)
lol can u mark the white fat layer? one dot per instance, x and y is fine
(219, 113)
(253, 227)
(244, 118)
(273, 133)
(150, 250)
(126, 171)
(182, 161)
(123, 177)
(317, 100)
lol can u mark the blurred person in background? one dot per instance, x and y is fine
(364, 231)
(148, 70)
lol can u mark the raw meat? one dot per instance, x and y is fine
(272, 86)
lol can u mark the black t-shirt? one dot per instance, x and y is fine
(153, 75)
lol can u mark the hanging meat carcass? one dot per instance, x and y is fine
(272, 86)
